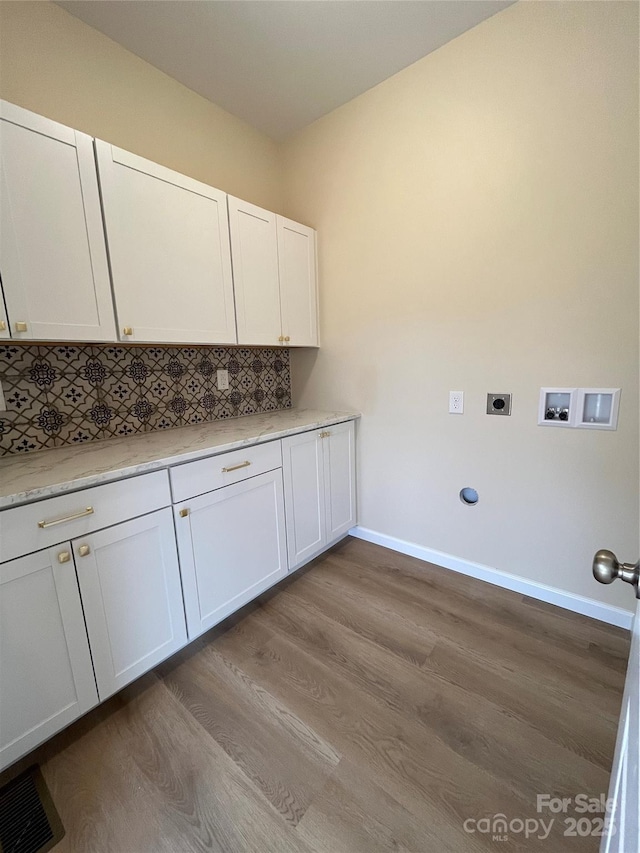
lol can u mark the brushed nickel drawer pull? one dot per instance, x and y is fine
(44, 524)
(235, 467)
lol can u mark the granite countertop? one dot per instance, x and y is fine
(53, 472)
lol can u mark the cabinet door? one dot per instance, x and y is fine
(130, 585)
(339, 480)
(54, 263)
(254, 248)
(168, 238)
(298, 289)
(303, 471)
(232, 548)
(45, 665)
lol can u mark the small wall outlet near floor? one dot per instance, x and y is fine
(456, 402)
(222, 380)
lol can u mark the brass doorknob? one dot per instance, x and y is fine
(83, 550)
(287, 338)
(607, 568)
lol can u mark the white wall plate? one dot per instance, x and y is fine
(597, 408)
(560, 401)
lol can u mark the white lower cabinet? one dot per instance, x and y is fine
(46, 677)
(232, 547)
(130, 586)
(81, 619)
(319, 482)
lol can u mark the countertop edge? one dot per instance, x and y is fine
(120, 473)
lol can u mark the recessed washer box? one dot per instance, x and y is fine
(498, 404)
(557, 407)
(597, 408)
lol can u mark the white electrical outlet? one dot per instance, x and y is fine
(456, 402)
(3, 405)
(223, 380)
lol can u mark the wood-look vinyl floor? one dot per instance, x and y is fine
(371, 703)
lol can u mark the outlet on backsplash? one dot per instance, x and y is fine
(223, 380)
(70, 394)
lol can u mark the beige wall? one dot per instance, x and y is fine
(478, 230)
(55, 65)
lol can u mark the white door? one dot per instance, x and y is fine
(4, 320)
(232, 547)
(254, 249)
(304, 491)
(624, 791)
(168, 239)
(45, 665)
(298, 289)
(52, 249)
(130, 585)
(339, 479)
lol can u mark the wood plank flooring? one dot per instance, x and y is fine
(371, 703)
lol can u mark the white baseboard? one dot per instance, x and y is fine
(552, 595)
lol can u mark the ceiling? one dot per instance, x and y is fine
(281, 64)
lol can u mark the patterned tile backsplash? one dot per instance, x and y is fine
(69, 394)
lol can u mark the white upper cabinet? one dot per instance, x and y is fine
(255, 273)
(52, 251)
(298, 300)
(168, 240)
(274, 271)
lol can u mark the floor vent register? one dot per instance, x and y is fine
(29, 822)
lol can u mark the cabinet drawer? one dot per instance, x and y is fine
(39, 525)
(205, 475)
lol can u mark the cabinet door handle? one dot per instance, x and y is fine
(44, 524)
(3, 326)
(287, 338)
(84, 550)
(325, 434)
(183, 513)
(64, 557)
(236, 467)
(127, 330)
(21, 326)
